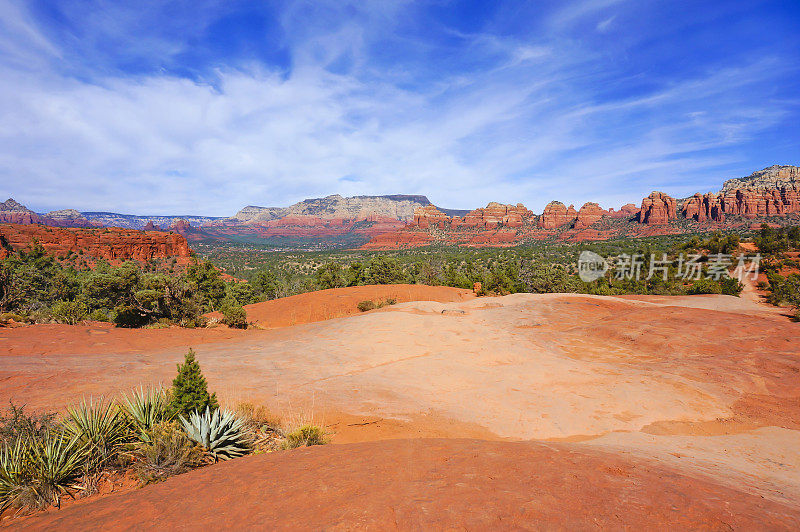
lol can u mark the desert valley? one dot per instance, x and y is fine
(461, 399)
(411, 265)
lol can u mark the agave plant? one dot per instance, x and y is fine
(146, 408)
(220, 432)
(102, 427)
(35, 473)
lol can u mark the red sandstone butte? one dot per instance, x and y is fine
(556, 214)
(109, 244)
(657, 208)
(588, 214)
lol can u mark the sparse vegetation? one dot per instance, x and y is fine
(165, 451)
(305, 436)
(43, 459)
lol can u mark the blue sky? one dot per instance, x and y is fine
(203, 107)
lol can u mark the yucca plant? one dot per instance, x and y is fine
(146, 408)
(221, 433)
(35, 473)
(102, 427)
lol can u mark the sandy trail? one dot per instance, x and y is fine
(706, 385)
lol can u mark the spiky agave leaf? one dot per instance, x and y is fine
(222, 434)
(101, 426)
(146, 408)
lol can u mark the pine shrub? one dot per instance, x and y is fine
(190, 389)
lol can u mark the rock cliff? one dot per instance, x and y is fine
(109, 244)
(556, 214)
(657, 209)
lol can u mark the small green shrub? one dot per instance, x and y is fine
(69, 312)
(167, 451)
(366, 305)
(305, 436)
(18, 424)
(99, 315)
(221, 433)
(234, 314)
(190, 390)
(704, 286)
(730, 286)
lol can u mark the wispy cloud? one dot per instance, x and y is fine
(365, 105)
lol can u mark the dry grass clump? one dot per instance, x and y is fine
(305, 436)
(168, 451)
(369, 304)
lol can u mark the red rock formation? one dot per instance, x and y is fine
(12, 212)
(429, 215)
(657, 208)
(703, 207)
(626, 211)
(588, 214)
(754, 203)
(556, 215)
(109, 244)
(150, 226)
(492, 216)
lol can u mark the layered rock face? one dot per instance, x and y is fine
(703, 207)
(14, 213)
(109, 244)
(657, 208)
(429, 215)
(66, 218)
(556, 214)
(626, 211)
(588, 214)
(492, 216)
(774, 177)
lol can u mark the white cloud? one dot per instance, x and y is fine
(524, 126)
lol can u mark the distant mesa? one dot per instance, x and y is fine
(404, 220)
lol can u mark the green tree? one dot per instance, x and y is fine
(234, 315)
(190, 390)
(330, 275)
(208, 282)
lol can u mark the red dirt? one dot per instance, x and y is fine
(97, 338)
(340, 302)
(428, 484)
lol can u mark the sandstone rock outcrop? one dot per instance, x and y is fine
(556, 215)
(657, 208)
(704, 207)
(66, 218)
(494, 215)
(16, 213)
(629, 211)
(588, 214)
(429, 215)
(773, 177)
(109, 244)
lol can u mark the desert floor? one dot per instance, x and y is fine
(542, 411)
